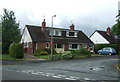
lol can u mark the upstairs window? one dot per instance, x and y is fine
(71, 34)
(54, 32)
(51, 32)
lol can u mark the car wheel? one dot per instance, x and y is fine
(110, 53)
(99, 53)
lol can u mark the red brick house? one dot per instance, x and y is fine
(63, 39)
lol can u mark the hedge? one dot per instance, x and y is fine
(16, 50)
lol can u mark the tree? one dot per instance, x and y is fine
(116, 29)
(10, 30)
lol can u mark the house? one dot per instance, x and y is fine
(35, 37)
(103, 37)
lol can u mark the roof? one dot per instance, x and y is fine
(37, 35)
(108, 37)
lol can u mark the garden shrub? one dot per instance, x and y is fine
(37, 52)
(43, 53)
(16, 50)
(82, 52)
(49, 50)
(67, 55)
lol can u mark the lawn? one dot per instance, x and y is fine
(8, 57)
(94, 55)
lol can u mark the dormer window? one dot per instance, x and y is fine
(71, 34)
(54, 32)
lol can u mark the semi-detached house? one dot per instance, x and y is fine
(35, 37)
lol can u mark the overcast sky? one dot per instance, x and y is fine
(86, 15)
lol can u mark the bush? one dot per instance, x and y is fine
(49, 51)
(100, 46)
(82, 52)
(16, 50)
(43, 53)
(67, 55)
(37, 52)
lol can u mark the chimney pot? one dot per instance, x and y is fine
(43, 24)
(108, 30)
(72, 27)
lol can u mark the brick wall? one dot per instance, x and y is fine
(66, 46)
(41, 45)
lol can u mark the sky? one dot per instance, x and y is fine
(86, 15)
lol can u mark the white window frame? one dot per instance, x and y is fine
(48, 45)
(70, 47)
(75, 33)
(54, 32)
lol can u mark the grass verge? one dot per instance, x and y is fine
(44, 56)
(8, 57)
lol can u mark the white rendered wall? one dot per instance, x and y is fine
(26, 36)
(96, 38)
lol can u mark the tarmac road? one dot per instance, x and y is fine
(101, 68)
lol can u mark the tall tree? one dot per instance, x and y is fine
(10, 30)
(116, 28)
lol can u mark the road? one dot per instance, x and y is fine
(101, 68)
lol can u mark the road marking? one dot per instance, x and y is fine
(61, 75)
(49, 74)
(40, 72)
(70, 79)
(74, 77)
(24, 71)
(35, 73)
(56, 77)
(86, 79)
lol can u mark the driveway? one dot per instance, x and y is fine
(31, 57)
(101, 68)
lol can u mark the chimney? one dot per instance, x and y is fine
(72, 27)
(108, 30)
(43, 24)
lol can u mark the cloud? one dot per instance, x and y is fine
(87, 15)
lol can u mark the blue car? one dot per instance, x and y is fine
(107, 50)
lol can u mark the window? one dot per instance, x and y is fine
(59, 46)
(51, 32)
(47, 45)
(27, 44)
(55, 32)
(73, 46)
(71, 34)
(84, 45)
